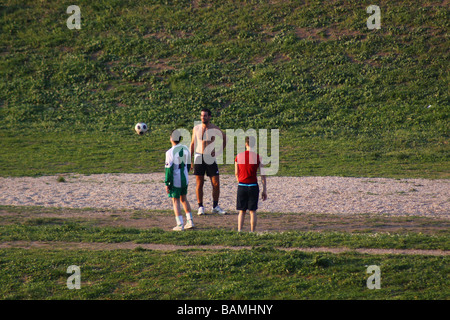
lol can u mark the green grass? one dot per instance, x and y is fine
(92, 152)
(54, 230)
(263, 271)
(245, 274)
(347, 100)
(86, 153)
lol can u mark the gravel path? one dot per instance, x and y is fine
(333, 195)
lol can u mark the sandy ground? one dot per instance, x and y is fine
(330, 195)
(294, 203)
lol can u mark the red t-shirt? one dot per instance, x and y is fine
(248, 163)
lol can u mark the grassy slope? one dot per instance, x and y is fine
(347, 100)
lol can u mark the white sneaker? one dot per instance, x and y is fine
(218, 210)
(189, 224)
(178, 228)
(201, 211)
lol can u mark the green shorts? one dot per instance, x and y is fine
(175, 192)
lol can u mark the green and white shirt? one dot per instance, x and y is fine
(177, 166)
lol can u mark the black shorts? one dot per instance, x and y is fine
(200, 169)
(247, 198)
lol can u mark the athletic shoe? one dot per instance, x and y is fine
(201, 211)
(189, 224)
(178, 228)
(218, 210)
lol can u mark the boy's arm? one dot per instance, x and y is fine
(236, 170)
(264, 192)
(263, 180)
(168, 180)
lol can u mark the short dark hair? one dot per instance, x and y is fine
(250, 141)
(206, 110)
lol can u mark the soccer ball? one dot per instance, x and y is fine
(140, 128)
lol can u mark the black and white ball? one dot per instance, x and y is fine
(140, 128)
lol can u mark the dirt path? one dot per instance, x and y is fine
(170, 247)
(267, 221)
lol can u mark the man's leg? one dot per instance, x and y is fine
(215, 182)
(199, 188)
(200, 179)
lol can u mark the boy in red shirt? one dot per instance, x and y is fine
(246, 165)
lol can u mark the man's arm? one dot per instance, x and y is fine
(188, 158)
(224, 142)
(236, 171)
(192, 147)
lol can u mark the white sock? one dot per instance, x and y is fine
(188, 215)
(179, 220)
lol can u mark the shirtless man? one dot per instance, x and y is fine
(204, 159)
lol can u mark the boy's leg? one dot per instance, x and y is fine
(241, 219)
(253, 220)
(187, 210)
(185, 203)
(253, 206)
(177, 211)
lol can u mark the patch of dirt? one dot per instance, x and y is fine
(267, 222)
(316, 195)
(170, 247)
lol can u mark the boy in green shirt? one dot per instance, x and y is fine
(177, 180)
